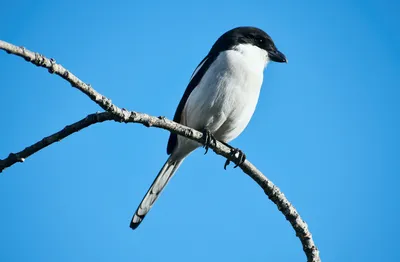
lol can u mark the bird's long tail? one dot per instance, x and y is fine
(163, 177)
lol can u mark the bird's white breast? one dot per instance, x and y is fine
(227, 95)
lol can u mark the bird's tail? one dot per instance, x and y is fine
(165, 174)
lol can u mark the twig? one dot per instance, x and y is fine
(56, 137)
(121, 115)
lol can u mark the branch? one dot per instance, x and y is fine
(54, 68)
(56, 137)
(117, 114)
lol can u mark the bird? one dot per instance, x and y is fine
(219, 100)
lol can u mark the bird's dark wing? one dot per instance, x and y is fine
(198, 74)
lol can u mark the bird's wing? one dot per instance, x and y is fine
(197, 75)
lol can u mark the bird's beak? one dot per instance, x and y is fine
(277, 56)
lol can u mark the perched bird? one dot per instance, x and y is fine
(219, 100)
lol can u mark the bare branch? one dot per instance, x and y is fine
(121, 115)
(54, 68)
(56, 137)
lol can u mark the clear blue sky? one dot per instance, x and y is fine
(326, 131)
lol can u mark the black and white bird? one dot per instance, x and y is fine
(219, 100)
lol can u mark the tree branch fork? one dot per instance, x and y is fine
(114, 113)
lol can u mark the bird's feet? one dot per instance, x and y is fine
(237, 153)
(208, 139)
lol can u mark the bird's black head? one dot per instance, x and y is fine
(248, 35)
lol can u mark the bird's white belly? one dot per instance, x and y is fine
(226, 97)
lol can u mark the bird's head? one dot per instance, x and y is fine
(252, 36)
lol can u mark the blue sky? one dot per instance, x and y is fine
(325, 131)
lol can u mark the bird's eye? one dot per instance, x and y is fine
(259, 39)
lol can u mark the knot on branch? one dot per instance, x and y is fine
(66, 74)
(148, 123)
(188, 133)
(26, 57)
(125, 115)
(39, 60)
(16, 157)
(107, 102)
(132, 116)
(52, 69)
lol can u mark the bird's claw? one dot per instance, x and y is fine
(208, 139)
(240, 156)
